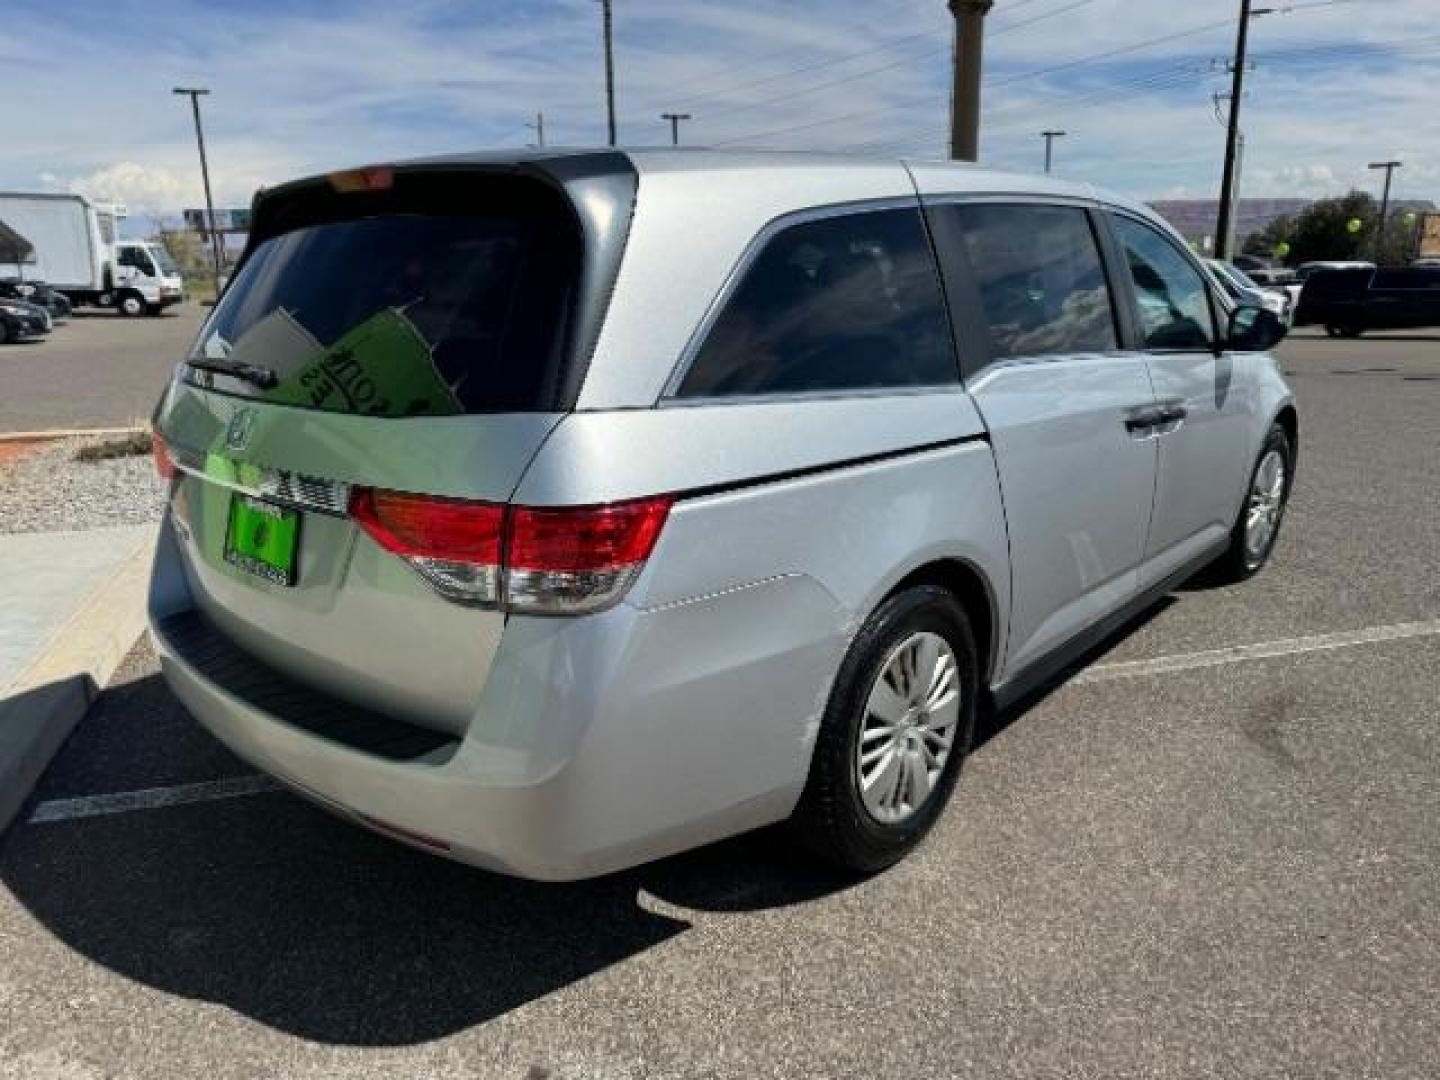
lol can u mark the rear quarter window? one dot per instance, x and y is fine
(414, 306)
(850, 302)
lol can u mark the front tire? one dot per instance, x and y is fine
(894, 734)
(1258, 527)
(132, 305)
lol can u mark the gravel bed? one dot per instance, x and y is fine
(49, 491)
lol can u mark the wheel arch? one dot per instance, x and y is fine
(1289, 419)
(971, 587)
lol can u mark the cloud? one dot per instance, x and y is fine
(305, 87)
(142, 188)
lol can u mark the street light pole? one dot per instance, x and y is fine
(674, 118)
(1389, 167)
(965, 77)
(194, 92)
(1050, 137)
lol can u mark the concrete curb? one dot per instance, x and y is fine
(70, 433)
(41, 707)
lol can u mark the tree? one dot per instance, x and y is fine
(188, 250)
(1324, 231)
(1264, 242)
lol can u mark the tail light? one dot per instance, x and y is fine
(552, 561)
(576, 560)
(453, 544)
(160, 453)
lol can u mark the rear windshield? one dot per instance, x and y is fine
(405, 311)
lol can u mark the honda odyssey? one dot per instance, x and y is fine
(557, 512)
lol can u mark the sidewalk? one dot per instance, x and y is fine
(71, 607)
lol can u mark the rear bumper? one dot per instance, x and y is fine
(598, 742)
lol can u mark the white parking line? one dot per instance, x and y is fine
(1345, 639)
(124, 802)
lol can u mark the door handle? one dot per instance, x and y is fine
(1139, 420)
(1173, 414)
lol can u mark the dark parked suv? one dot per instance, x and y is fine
(1349, 302)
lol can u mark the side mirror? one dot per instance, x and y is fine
(1254, 329)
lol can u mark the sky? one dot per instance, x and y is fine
(300, 86)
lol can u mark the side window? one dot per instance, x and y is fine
(126, 256)
(1041, 282)
(843, 303)
(1172, 298)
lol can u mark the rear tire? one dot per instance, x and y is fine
(890, 747)
(1345, 331)
(4, 333)
(1252, 539)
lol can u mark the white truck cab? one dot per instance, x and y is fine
(146, 278)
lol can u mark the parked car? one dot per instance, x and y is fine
(1349, 302)
(1304, 270)
(1264, 272)
(1240, 288)
(20, 320)
(38, 293)
(558, 512)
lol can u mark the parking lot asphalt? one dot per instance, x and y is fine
(97, 370)
(1225, 865)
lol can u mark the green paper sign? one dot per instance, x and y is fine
(382, 367)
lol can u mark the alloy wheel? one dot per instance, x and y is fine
(908, 731)
(1262, 512)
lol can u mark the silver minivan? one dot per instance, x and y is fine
(558, 512)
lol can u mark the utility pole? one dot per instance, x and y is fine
(539, 128)
(674, 118)
(965, 79)
(608, 19)
(1050, 137)
(1231, 237)
(1225, 224)
(194, 93)
(1389, 167)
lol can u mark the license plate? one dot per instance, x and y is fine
(263, 539)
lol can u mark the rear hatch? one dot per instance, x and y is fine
(389, 330)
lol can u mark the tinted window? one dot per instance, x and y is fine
(1041, 282)
(843, 303)
(410, 313)
(1171, 295)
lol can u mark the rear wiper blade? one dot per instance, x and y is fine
(263, 377)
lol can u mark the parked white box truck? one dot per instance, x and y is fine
(77, 253)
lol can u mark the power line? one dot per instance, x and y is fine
(903, 61)
(1018, 4)
(1009, 80)
(1081, 62)
(1111, 53)
(1007, 27)
(809, 67)
(1164, 79)
(833, 61)
(861, 26)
